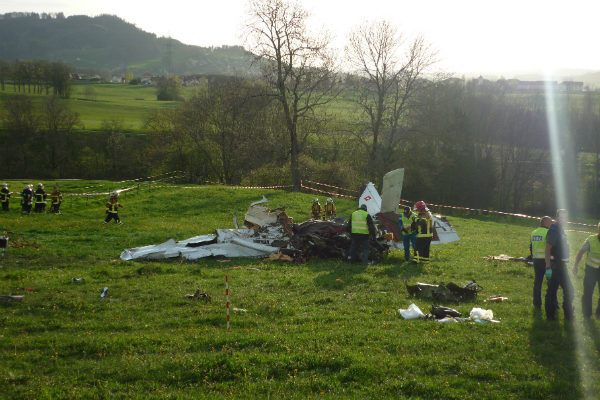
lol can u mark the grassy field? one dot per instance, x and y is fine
(321, 329)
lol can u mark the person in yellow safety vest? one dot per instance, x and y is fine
(424, 224)
(537, 248)
(5, 197)
(361, 228)
(40, 198)
(330, 210)
(112, 209)
(316, 209)
(56, 198)
(591, 247)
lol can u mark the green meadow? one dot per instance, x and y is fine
(323, 329)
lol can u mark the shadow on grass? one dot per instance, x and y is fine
(404, 270)
(554, 348)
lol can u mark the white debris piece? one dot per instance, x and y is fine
(412, 312)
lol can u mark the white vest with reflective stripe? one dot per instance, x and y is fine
(593, 256)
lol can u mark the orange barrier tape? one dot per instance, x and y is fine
(331, 186)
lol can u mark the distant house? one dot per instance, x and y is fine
(117, 79)
(536, 86)
(571, 87)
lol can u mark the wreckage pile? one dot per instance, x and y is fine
(267, 232)
(445, 293)
(272, 233)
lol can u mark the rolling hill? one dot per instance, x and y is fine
(107, 42)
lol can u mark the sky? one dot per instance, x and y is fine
(501, 37)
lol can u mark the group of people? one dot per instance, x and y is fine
(327, 213)
(32, 200)
(416, 227)
(550, 253)
(36, 201)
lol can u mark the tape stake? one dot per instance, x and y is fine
(227, 304)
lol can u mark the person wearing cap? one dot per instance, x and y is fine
(591, 247)
(56, 198)
(407, 223)
(330, 210)
(5, 197)
(26, 199)
(424, 225)
(316, 209)
(537, 249)
(361, 228)
(112, 208)
(40, 198)
(557, 255)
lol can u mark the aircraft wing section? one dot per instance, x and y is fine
(392, 191)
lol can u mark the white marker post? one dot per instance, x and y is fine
(227, 303)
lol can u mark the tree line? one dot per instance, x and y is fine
(460, 143)
(36, 76)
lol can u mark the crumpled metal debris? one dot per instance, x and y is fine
(445, 293)
(199, 295)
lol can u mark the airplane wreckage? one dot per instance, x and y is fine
(272, 233)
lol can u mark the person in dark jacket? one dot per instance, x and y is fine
(40, 198)
(362, 229)
(56, 199)
(112, 209)
(26, 199)
(5, 197)
(557, 256)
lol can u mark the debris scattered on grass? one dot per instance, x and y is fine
(496, 299)
(104, 293)
(77, 281)
(505, 257)
(199, 295)
(444, 293)
(239, 310)
(9, 298)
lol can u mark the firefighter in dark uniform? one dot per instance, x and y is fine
(5, 197)
(112, 208)
(56, 199)
(424, 224)
(316, 209)
(330, 210)
(26, 199)
(40, 198)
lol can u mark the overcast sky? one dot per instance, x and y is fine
(471, 36)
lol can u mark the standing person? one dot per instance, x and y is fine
(5, 197)
(557, 255)
(56, 198)
(591, 247)
(537, 249)
(316, 209)
(112, 208)
(361, 228)
(40, 198)
(26, 199)
(330, 210)
(424, 224)
(408, 226)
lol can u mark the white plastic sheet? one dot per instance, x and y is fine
(412, 312)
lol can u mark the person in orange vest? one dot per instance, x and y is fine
(424, 225)
(112, 209)
(56, 198)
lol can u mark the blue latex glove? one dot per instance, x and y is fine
(548, 273)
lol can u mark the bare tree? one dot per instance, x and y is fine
(297, 66)
(391, 72)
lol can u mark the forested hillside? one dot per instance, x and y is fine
(107, 42)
